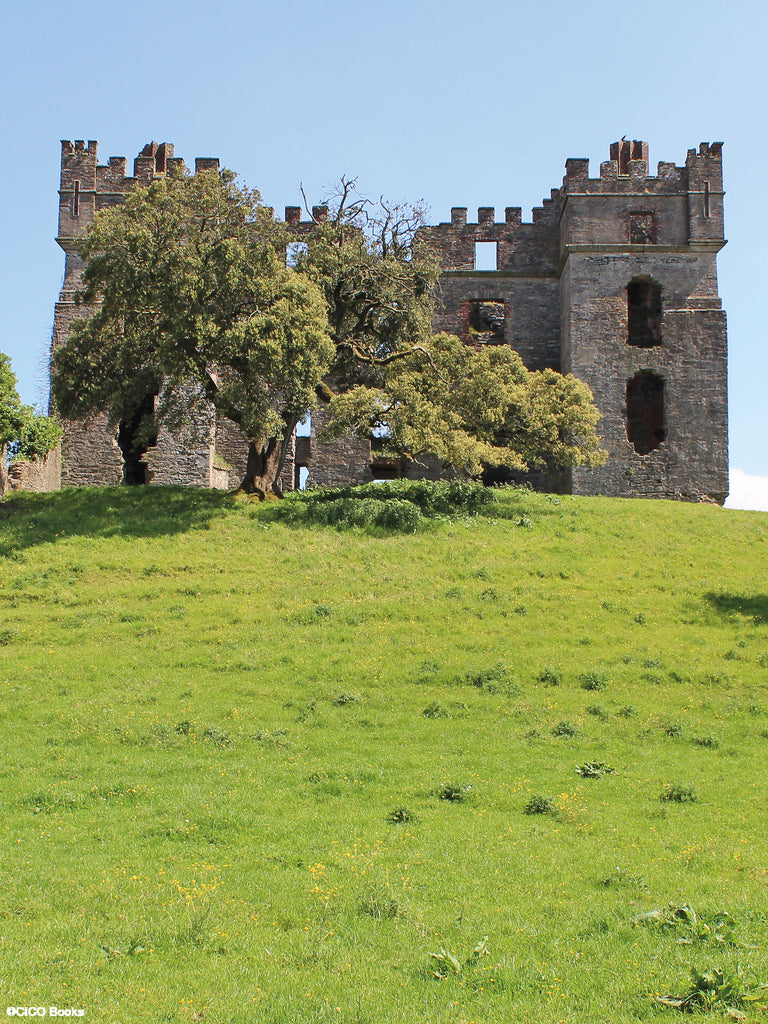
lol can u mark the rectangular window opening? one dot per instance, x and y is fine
(304, 429)
(486, 255)
(76, 200)
(706, 199)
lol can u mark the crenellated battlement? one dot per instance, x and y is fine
(88, 186)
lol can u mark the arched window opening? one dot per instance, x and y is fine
(643, 313)
(645, 411)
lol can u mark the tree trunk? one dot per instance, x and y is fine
(262, 471)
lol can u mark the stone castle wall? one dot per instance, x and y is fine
(614, 279)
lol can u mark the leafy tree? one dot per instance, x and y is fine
(23, 433)
(191, 300)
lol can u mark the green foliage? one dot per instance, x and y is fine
(677, 794)
(397, 506)
(541, 805)
(592, 681)
(594, 769)
(718, 989)
(566, 729)
(189, 299)
(446, 964)
(24, 434)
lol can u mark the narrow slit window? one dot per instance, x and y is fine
(76, 200)
(485, 255)
(706, 199)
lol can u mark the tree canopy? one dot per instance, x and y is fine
(190, 299)
(24, 434)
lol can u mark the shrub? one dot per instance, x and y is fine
(453, 792)
(401, 816)
(436, 710)
(549, 677)
(677, 794)
(591, 681)
(594, 769)
(567, 729)
(540, 805)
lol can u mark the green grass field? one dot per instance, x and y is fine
(255, 772)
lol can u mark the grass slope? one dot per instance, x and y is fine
(210, 719)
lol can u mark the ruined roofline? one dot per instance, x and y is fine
(625, 173)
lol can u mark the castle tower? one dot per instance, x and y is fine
(641, 320)
(91, 451)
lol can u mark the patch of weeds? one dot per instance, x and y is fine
(272, 739)
(652, 663)
(762, 660)
(717, 989)
(496, 679)
(673, 729)
(520, 609)
(436, 710)
(550, 677)
(620, 879)
(218, 736)
(7, 636)
(525, 522)
(690, 926)
(489, 594)
(401, 816)
(597, 711)
(541, 805)
(594, 770)
(565, 729)
(453, 792)
(379, 906)
(705, 741)
(627, 711)
(674, 793)
(592, 681)
(184, 728)
(345, 698)
(306, 710)
(446, 964)
(640, 619)
(453, 593)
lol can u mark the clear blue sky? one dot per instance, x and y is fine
(456, 104)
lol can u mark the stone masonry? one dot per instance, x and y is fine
(614, 280)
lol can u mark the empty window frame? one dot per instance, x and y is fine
(486, 322)
(643, 313)
(486, 255)
(646, 429)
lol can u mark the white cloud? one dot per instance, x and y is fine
(747, 491)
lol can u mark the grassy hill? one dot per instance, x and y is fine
(261, 772)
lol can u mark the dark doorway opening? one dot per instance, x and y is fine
(136, 434)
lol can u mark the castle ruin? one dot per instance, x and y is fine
(613, 280)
